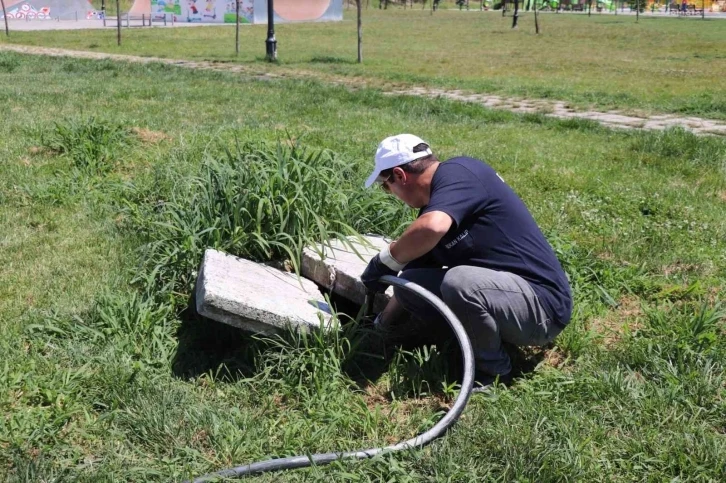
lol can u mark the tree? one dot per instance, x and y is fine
(236, 29)
(359, 7)
(515, 17)
(5, 16)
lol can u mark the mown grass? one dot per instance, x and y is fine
(105, 376)
(658, 65)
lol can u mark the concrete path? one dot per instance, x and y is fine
(556, 109)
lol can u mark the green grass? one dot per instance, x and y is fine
(104, 377)
(659, 65)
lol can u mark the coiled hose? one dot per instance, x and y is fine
(423, 439)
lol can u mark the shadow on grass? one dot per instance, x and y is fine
(230, 354)
(206, 346)
(326, 59)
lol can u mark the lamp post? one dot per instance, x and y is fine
(271, 42)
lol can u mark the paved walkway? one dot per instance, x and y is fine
(556, 109)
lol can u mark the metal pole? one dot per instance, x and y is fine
(5, 16)
(118, 24)
(271, 42)
(236, 34)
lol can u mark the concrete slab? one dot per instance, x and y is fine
(340, 266)
(255, 297)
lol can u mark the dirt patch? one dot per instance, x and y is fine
(150, 137)
(38, 150)
(722, 196)
(378, 396)
(626, 316)
(679, 267)
(554, 358)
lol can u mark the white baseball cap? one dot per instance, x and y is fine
(395, 151)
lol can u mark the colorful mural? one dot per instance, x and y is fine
(48, 9)
(296, 10)
(300, 10)
(251, 11)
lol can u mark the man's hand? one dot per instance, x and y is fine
(374, 271)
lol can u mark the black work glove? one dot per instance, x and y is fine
(373, 272)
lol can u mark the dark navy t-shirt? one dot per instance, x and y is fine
(492, 228)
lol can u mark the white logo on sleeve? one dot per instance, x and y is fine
(456, 240)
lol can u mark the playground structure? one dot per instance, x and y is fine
(224, 11)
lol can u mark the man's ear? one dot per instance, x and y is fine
(399, 175)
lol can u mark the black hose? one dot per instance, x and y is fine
(445, 423)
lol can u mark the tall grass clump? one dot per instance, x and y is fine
(93, 145)
(678, 145)
(9, 62)
(258, 201)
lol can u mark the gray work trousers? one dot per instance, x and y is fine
(492, 306)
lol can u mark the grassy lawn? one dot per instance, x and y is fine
(659, 65)
(113, 179)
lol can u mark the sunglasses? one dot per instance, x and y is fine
(383, 182)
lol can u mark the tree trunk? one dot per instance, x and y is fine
(536, 20)
(236, 28)
(637, 11)
(359, 5)
(5, 16)
(515, 17)
(118, 24)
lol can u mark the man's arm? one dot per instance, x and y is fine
(418, 239)
(421, 236)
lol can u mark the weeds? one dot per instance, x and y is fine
(256, 201)
(420, 372)
(94, 146)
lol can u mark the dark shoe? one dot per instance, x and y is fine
(484, 382)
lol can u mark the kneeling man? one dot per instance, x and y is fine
(476, 246)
